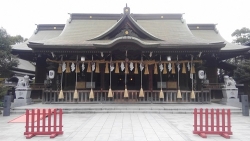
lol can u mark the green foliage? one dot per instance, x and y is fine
(3, 91)
(7, 60)
(242, 35)
(17, 39)
(243, 70)
(243, 67)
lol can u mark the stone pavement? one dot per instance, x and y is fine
(126, 127)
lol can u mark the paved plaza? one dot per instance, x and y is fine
(126, 126)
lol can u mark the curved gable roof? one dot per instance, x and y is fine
(89, 30)
(119, 23)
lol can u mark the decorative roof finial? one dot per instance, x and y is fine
(126, 10)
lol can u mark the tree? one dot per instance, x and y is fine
(7, 60)
(242, 35)
(17, 39)
(243, 66)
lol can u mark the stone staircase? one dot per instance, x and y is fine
(125, 108)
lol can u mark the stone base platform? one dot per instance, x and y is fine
(21, 102)
(231, 102)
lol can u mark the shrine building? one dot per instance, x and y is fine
(127, 58)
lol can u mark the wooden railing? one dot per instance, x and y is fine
(170, 96)
(37, 86)
(213, 85)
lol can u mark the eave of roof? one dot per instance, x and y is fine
(209, 32)
(43, 32)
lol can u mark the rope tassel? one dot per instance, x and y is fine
(161, 94)
(126, 93)
(184, 68)
(110, 93)
(77, 68)
(192, 69)
(165, 68)
(76, 96)
(126, 68)
(155, 69)
(146, 69)
(173, 68)
(91, 94)
(179, 94)
(67, 68)
(136, 69)
(116, 67)
(59, 70)
(141, 94)
(97, 69)
(107, 68)
(89, 67)
(192, 95)
(61, 96)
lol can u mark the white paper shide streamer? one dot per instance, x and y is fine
(63, 66)
(131, 65)
(112, 67)
(73, 67)
(178, 67)
(141, 67)
(161, 67)
(188, 66)
(93, 66)
(122, 66)
(83, 67)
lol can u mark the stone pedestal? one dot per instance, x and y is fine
(230, 97)
(22, 97)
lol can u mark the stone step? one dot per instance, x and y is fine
(125, 110)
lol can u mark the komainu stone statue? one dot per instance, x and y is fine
(23, 92)
(229, 82)
(230, 92)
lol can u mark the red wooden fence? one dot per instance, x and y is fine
(52, 125)
(212, 122)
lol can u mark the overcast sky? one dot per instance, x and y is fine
(19, 17)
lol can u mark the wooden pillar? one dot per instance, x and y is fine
(40, 73)
(41, 70)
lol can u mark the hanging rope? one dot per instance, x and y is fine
(161, 92)
(61, 96)
(110, 90)
(141, 94)
(126, 91)
(192, 95)
(178, 91)
(91, 94)
(77, 68)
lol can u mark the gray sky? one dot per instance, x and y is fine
(19, 17)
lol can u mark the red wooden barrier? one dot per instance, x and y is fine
(46, 126)
(212, 122)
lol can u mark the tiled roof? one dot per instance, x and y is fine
(209, 32)
(79, 31)
(43, 32)
(83, 30)
(25, 65)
